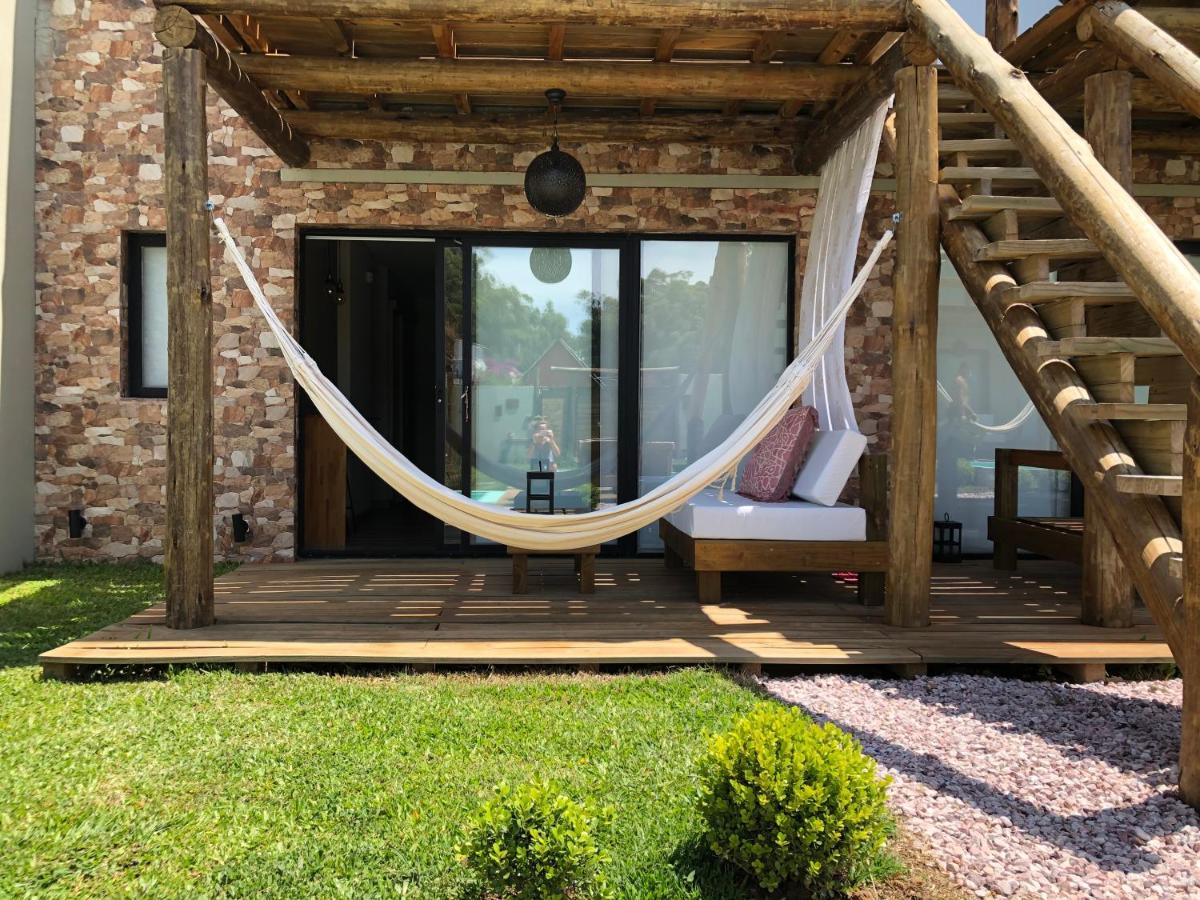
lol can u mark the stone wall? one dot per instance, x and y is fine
(99, 173)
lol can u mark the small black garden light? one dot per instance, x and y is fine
(947, 541)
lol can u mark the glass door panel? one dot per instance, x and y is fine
(714, 341)
(543, 371)
(451, 389)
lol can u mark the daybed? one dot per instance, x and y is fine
(719, 532)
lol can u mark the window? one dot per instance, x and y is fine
(981, 407)
(146, 311)
(714, 341)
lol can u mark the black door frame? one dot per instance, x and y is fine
(629, 306)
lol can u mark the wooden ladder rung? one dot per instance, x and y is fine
(994, 174)
(1146, 412)
(980, 207)
(1097, 293)
(978, 146)
(965, 118)
(1155, 485)
(1103, 346)
(1065, 248)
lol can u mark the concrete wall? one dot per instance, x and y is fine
(16, 281)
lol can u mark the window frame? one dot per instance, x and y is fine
(135, 242)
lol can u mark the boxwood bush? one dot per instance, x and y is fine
(534, 843)
(795, 804)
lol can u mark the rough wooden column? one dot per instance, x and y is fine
(1189, 749)
(1107, 592)
(914, 346)
(1000, 25)
(188, 554)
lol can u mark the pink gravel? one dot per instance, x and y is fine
(1027, 789)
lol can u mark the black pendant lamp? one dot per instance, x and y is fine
(554, 181)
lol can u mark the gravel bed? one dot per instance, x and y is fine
(1027, 789)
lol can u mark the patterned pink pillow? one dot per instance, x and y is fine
(776, 461)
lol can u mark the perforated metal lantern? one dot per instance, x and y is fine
(554, 182)
(947, 541)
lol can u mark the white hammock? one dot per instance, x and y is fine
(1015, 422)
(572, 531)
(533, 531)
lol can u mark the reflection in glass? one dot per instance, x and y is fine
(544, 375)
(714, 341)
(981, 407)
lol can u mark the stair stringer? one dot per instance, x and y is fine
(1146, 533)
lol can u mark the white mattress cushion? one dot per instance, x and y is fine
(734, 517)
(832, 457)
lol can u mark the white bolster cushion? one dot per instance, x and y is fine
(832, 458)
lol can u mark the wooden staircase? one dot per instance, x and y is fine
(1065, 309)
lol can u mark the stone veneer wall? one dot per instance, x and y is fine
(99, 156)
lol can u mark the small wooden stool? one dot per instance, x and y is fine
(585, 567)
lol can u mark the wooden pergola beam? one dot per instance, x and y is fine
(848, 113)
(1189, 749)
(533, 128)
(749, 15)
(1067, 83)
(715, 81)
(176, 28)
(1147, 260)
(1170, 64)
(188, 546)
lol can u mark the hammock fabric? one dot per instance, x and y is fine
(573, 531)
(532, 531)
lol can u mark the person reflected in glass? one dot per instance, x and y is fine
(543, 451)
(957, 441)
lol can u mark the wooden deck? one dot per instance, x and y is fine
(462, 612)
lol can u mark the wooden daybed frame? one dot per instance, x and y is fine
(1055, 537)
(709, 557)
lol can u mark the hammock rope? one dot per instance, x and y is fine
(541, 532)
(1012, 424)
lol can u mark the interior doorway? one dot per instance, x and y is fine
(370, 316)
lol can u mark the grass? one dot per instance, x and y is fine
(206, 783)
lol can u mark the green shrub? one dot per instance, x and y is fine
(793, 803)
(534, 842)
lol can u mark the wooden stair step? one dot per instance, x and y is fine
(980, 207)
(1155, 485)
(977, 145)
(1097, 293)
(1146, 412)
(1064, 248)
(965, 118)
(1103, 346)
(995, 174)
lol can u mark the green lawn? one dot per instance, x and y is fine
(210, 783)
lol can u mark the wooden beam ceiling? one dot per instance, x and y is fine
(750, 15)
(534, 128)
(176, 28)
(715, 81)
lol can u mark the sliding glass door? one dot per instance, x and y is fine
(610, 362)
(543, 371)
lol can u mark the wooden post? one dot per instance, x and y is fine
(914, 350)
(1005, 505)
(1189, 750)
(1107, 592)
(188, 554)
(1000, 25)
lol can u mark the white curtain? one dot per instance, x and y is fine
(829, 268)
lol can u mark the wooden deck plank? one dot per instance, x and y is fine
(461, 612)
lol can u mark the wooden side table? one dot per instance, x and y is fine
(585, 566)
